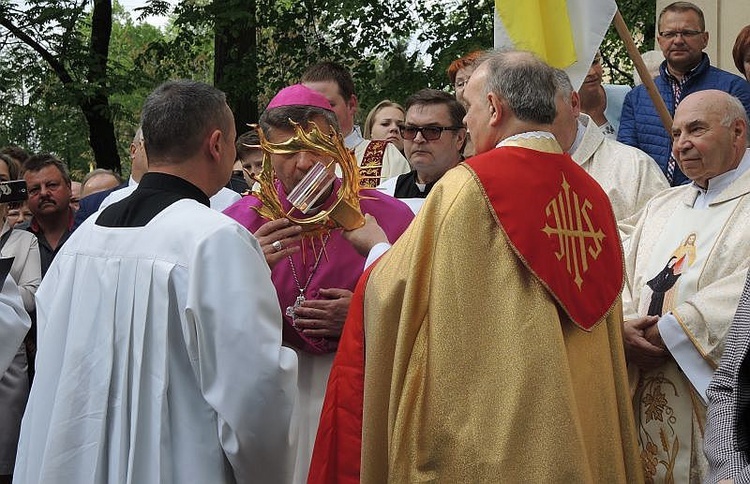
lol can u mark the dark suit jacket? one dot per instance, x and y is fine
(90, 204)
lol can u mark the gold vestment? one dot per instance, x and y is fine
(473, 374)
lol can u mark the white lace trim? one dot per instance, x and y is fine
(527, 135)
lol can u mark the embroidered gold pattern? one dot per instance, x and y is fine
(655, 403)
(578, 239)
(655, 407)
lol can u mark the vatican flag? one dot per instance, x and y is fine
(564, 33)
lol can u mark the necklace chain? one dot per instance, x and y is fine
(318, 258)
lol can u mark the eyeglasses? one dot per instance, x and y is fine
(429, 133)
(686, 34)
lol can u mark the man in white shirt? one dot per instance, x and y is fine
(628, 175)
(219, 201)
(160, 356)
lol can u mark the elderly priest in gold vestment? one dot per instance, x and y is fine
(487, 341)
(686, 267)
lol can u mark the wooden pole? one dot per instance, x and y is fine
(640, 66)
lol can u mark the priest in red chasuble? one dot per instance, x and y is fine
(485, 345)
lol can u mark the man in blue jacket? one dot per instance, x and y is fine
(682, 37)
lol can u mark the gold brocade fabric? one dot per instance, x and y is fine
(372, 164)
(471, 374)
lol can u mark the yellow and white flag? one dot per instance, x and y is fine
(564, 33)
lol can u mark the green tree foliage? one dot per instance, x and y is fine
(248, 48)
(639, 15)
(52, 31)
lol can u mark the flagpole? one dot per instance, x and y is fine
(640, 66)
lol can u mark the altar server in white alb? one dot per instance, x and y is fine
(160, 356)
(686, 268)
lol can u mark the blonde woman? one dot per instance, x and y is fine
(382, 123)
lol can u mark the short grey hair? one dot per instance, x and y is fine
(525, 83)
(734, 110)
(178, 115)
(563, 86)
(100, 172)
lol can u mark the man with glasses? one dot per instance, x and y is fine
(434, 138)
(687, 69)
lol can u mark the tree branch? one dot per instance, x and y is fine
(60, 70)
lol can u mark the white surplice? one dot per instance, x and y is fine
(160, 358)
(628, 175)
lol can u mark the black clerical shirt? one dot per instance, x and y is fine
(406, 186)
(155, 192)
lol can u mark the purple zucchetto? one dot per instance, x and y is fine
(299, 95)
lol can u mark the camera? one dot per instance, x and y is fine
(13, 191)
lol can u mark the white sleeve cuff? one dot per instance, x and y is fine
(692, 363)
(376, 251)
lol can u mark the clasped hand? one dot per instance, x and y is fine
(643, 344)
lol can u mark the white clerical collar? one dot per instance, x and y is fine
(354, 138)
(719, 183)
(526, 135)
(580, 131)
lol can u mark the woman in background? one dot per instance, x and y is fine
(741, 52)
(461, 70)
(26, 271)
(459, 73)
(383, 122)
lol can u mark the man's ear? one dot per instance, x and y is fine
(215, 144)
(740, 129)
(495, 106)
(461, 138)
(352, 105)
(575, 103)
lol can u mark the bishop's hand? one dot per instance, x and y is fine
(364, 238)
(278, 239)
(324, 317)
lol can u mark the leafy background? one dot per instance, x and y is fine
(73, 74)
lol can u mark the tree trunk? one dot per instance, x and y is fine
(236, 59)
(101, 132)
(96, 107)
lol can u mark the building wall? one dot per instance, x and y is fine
(724, 20)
